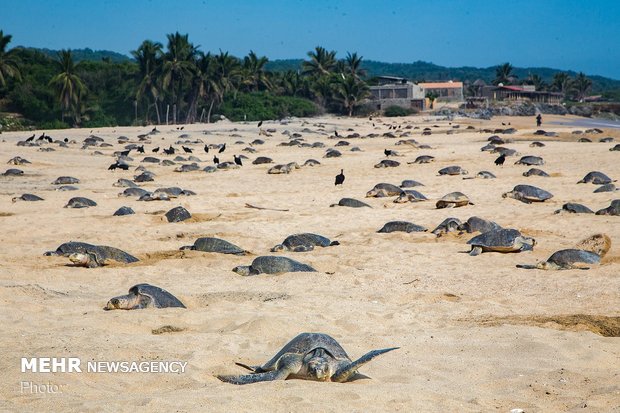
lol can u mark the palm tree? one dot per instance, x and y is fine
(503, 74)
(178, 66)
(254, 75)
(561, 82)
(204, 86)
(8, 62)
(321, 62)
(581, 86)
(149, 58)
(349, 92)
(354, 65)
(227, 73)
(536, 80)
(69, 85)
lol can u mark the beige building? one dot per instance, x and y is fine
(445, 91)
(396, 91)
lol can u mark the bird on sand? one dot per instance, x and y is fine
(207, 148)
(260, 124)
(238, 160)
(216, 160)
(500, 160)
(222, 149)
(186, 149)
(340, 178)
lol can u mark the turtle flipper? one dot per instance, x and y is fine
(475, 251)
(346, 372)
(281, 374)
(253, 369)
(527, 266)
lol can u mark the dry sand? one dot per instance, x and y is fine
(476, 334)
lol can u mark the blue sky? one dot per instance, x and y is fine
(580, 35)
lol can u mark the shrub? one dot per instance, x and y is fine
(263, 106)
(392, 111)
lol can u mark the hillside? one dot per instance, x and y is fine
(87, 54)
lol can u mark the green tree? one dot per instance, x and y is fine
(9, 66)
(581, 86)
(321, 62)
(69, 85)
(227, 73)
(536, 81)
(354, 65)
(254, 74)
(178, 67)
(349, 92)
(503, 74)
(149, 59)
(204, 87)
(561, 82)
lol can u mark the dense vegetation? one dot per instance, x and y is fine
(181, 84)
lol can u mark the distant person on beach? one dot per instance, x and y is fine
(538, 120)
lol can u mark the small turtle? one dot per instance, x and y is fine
(144, 177)
(528, 194)
(487, 148)
(210, 169)
(387, 163)
(615, 148)
(567, 259)
(27, 197)
(144, 296)
(352, 203)
(66, 180)
(424, 159)
(448, 225)
(536, 172)
(279, 169)
(124, 210)
(227, 166)
(18, 160)
(332, 153)
(575, 208)
(496, 140)
(584, 140)
(309, 356)
(530, 160)
(453, 200)
(148, 197)
(172, 192)
(605, 188)
(151, 159)
(272, 265)
(477, 224)
(382, 190)
(410, 195)
(606, 140)
(505, 151)
(596, 177)
(134, 191)
(401, 226)
(311, 162)
(303, 242)
(537, 144)
(210, 244)
(124, 183)
(193, 167)
(262, 160)
(80, 202)
(500, 240)
(485, 175)
(612, 209)
(178, 214)
(68, 248)
(100, 255)
(410, 183)
(13, 172)
(452, 170)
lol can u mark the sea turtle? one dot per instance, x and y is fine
(424, 159)
(495, 140)
(448, 225)
(124, 210)
(303, 242)
(530, 160)
(134, 191)
(535, 172)
(124, 183)
(575, 208)
(596, 177)
(537, 144)
(500, 240)
(352, 203)
(279, 169)
(80, 202)
(598, 243)
(149, 196)
(528, 194)
(144, 296)
(605, 188)
(505, 151)
(615, 147)
(13, 172)
(172, 192)
(409, 195)
(145, 177)
(567, 259)
(387, 163)
(311, 162)
(401, 226)
(66, 180)
(612, 209)
(210, 244)
(382, 190)
(272, 265)
(309, 356)
(100, 255)
(410, 183)
(193, 167)
(27, 197)
(485, 175)
(452, 170)
(261, 160)
(178, 214)
(151, 159)
(453, 200)
(332, 153)
(477, 224)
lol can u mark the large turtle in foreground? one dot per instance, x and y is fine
(500, 240)
(144, 296)
(272, 265)
(528, 194)
(211, 244)
(309, 356)
(303, 242)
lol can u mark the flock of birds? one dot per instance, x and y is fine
(317, 356)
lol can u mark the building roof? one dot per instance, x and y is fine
(441, 85)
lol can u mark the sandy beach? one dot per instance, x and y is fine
(476, 334)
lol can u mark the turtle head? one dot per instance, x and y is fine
(80, 259)
(242, 270)
(277, 248)
(319, 365)
(507, 195)
(123, 302)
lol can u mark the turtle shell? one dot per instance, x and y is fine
(496, 240)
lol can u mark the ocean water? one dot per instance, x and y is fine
(587, 123)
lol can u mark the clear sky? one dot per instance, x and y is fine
(580, 35)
